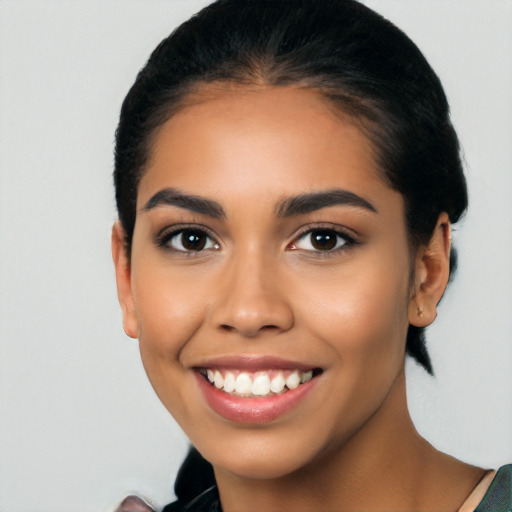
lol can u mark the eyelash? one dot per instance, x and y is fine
(165, 237)
(348, 241)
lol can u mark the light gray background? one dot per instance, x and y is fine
(79, 424)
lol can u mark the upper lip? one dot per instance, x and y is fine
(254, 363)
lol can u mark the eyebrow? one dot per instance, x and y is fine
(296, 205)
(198, 204)
(310, 202)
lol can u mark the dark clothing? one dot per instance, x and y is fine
(498, 497)
(208, 501)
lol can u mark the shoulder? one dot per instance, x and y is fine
(134, 503)
(498, 497)
(207, 501)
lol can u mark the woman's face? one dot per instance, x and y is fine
(267, 250)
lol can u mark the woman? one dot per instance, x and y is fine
(286, 179)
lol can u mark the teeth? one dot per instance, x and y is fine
(277, 383)
(218, 380)
(293, 380)
(259, 385)
(306, 376)
(229, 383)
(243, 384)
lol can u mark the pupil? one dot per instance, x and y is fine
(323, 240)
(193, 240)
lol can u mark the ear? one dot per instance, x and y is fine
(123, 278)
(431, 273)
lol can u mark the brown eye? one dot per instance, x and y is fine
(189, 240)
(322, 240)
(193, 240)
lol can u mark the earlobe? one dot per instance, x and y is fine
(431, 273)
(123, 279)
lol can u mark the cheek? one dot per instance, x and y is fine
(168, 305)
(360, 312)
(166, 317)
(362, 318)
(169, 309)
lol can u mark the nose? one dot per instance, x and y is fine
(252, 299)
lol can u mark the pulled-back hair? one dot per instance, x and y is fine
(367, 69)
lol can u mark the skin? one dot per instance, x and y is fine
(260, 288)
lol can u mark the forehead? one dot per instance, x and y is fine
(259, 139)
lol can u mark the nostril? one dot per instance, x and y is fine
(249, 331)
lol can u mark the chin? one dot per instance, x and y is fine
(259, 468)
(261, 459)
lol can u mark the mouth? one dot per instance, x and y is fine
(257, 384)
(256, 390)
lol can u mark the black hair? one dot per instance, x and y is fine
(366, 68)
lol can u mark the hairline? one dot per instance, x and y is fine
(336, 102)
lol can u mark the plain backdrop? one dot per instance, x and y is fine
(79, 424)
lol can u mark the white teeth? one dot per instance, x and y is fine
(243, 384)
(293, 380)
(306, 376)
(218, 380)
(277, 383)
(229, 383)
(261, 385)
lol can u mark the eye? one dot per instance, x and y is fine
(321, 240)
(188, 241)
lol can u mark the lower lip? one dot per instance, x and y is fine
(252, 410)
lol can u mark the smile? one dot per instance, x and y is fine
(263, 383)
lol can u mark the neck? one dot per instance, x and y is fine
(386, 465)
